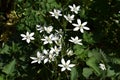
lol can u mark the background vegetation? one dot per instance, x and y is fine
(101, 43)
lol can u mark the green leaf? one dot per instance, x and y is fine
(115, 60)
(9, 68)
(79, 49)
(74, 74)
(82, 13)
(92, 62)
(1, 78)
(110, 73)
(15, 47)
(95, 53)
(50, 1)
(87, 72)
(4, 50)
(87, 37)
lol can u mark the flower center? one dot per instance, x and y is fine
(28, 37)
(66, 66)
(56, 14)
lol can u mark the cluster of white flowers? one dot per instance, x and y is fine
(54, 38)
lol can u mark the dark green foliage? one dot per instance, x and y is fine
(100, 44)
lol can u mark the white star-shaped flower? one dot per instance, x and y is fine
(28, 36)
(37, 59)
(66, 65)
(48, 29)
(69, 18)
(69, 52)
(46, 59)
(80, 26)
(48, 39)
(74, 8)
(76, 40)
(48, 56)
(102, 66)
(39, 28)
(56, 13)
(55, 50)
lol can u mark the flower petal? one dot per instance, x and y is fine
(38, 54)
(27, 33)
(34, 61)
(81, 30)
(84, 23)
(68, 69)
(68, 62)
(76, 29)
(86, 28)
(63, 69)
(60, 65)
(31, 34)
(79, 21)
(71, 65)
(76, 25)
(34, 58)
(45, 60)
(22, 35)
(32, 38)
(24, 38)
(28, 40)
(63, 61)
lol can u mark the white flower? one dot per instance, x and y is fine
(48, 39)
(80, 26)
(60, 31)
(56, 13)
(74, 8)
(102, 66)
(46, 59)
(55, 50)
(38, 59)
(28, 36)
(51, 57)
(66, 65)
(76, 40)
(69, 18)
(48, 56)
(48, 29)
(69, 52)
(39, 28)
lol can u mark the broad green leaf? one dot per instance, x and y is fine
(87, 72)
(88, 37)
(82, 13)
(91, 62)
(95, 53)
(81, 52)
(4, 50)
(9, 68)
(78, 49)
(110, 73)
(74, 74)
